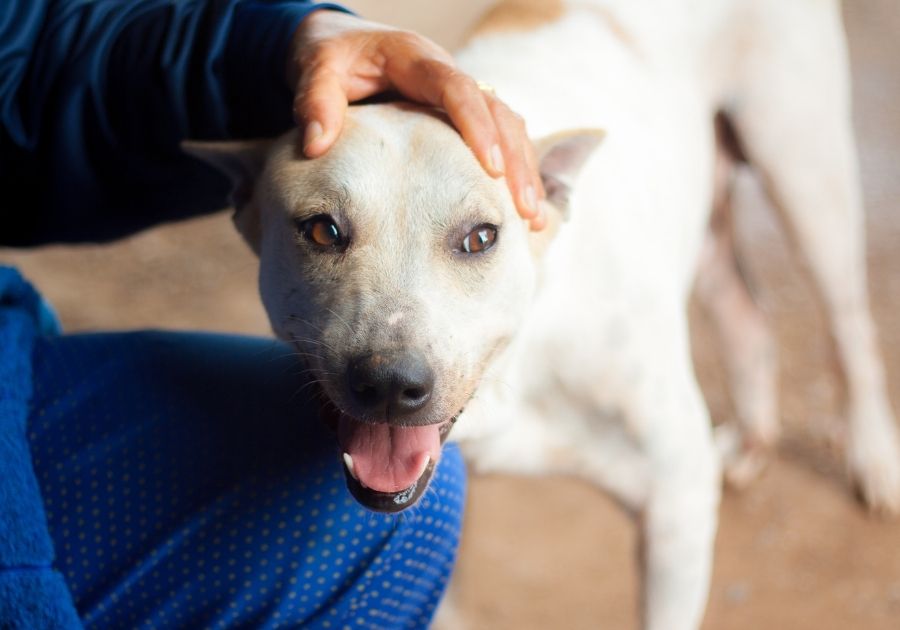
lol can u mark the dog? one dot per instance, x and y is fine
(425, 308)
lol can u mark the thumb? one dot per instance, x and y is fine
(319, 108)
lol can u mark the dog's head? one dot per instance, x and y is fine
(397, 268)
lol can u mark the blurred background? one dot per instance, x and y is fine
(794, 550)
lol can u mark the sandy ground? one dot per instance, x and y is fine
(794, 551)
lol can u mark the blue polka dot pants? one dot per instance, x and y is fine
(189, 484)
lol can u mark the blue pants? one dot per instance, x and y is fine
(188, 483)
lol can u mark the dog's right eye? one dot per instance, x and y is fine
(321, 230)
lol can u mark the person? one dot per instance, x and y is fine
(159, 479)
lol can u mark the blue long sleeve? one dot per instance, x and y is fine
(95, 96)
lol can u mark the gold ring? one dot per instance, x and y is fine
(487, 88)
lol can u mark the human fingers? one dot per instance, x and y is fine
(320, 104)
(496, 135)
(333, 62)
(521, 173)
(438, 83)
(343, 59)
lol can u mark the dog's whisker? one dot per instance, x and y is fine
(271, 349)
(297, 318)
(307, 385)
(307, 340)
(498, 381)
(305, 355)
(314, 371)
(340, 319)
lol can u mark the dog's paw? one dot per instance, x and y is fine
(743, 459)
(873, 456)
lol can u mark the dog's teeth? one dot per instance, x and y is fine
(348, 462)
(424, 466)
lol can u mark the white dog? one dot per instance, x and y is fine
(400, 269)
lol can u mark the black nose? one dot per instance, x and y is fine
(390, 385)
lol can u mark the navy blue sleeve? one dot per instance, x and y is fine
(95, 96)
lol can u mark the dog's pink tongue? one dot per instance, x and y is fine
(388, 458)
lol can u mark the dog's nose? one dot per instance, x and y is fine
(391, 385)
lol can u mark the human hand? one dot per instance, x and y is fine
(337, 58)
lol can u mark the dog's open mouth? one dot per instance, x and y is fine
(387, 467)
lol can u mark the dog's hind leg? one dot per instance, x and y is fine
(792, 112)
(745, 339)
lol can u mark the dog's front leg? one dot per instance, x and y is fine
(677, 532)
(677, 528)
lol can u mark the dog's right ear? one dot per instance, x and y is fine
(242, 162)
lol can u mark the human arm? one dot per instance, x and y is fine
(96, 96)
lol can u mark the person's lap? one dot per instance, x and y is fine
(189, 483)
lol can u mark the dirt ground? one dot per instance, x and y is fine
(794, 550)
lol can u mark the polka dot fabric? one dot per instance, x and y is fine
(188, 484)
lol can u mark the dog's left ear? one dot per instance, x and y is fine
(561, 157)
(242, 162)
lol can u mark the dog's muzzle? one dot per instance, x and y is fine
(387, 467)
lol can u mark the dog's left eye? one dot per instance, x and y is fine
(480, 239)
(321, 230)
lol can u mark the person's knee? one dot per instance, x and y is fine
(404, 583)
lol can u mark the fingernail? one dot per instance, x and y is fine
(530, 200)
(313, 132)
(497, 159)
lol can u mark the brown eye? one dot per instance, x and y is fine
(480, 239)
(321, 230)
